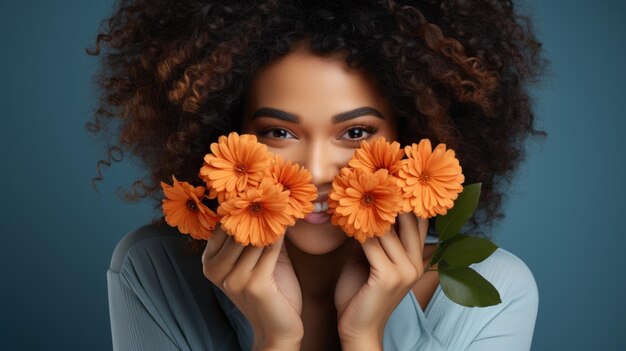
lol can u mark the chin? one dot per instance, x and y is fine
(316, 239)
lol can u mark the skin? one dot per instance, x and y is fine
(315, 278)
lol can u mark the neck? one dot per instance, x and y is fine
(318, 274)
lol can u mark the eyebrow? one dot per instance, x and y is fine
(340, 117)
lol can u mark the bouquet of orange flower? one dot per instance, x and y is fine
(379, 183)
(259, 194)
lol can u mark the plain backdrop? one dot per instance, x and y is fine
(564, 217)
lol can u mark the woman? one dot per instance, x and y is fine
(311, 80)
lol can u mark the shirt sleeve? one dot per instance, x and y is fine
(159, 299)
(239, 322)
(445, 325)
(511, 327)
(133, 327)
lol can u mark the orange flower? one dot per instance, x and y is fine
(184, 209)
(220, 195)
(368, 202)
(235, 163)
(297, 180)
(257, 216)
(380, 154)
(336, 193)
(431, 180)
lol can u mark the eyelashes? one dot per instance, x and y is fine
(264, 132)
(352, 133)
(363, 127)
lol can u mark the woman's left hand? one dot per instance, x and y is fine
(375, 278)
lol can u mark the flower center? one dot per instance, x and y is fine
(192, 205)
(255, 209)
(424, 178)
(241, 168)
(367, 199)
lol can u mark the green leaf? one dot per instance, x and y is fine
(441, 247)
(463, 209)
(466, 250)
(436, 255)
(468, 288)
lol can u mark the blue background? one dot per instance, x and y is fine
(563, 213)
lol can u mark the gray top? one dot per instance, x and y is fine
(160, 300)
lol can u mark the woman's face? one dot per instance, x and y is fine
(315, 111)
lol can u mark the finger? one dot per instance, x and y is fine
(214, 243)
(224, 261)
(393, 247)
(375, 254)
(423, 226)
(246, 262)
(267, 262)
(411, 236)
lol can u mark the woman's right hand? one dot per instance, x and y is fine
(261, 282)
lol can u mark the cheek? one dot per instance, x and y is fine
(341, 156)
(292, 153)
(389, 131)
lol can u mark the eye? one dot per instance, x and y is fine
(357, 133)
(278, 133)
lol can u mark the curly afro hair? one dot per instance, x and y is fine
(175, 74)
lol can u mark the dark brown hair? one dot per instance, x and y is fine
(175, 74)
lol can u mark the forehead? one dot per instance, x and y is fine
(302, 82)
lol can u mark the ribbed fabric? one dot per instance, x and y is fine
(160, 300)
